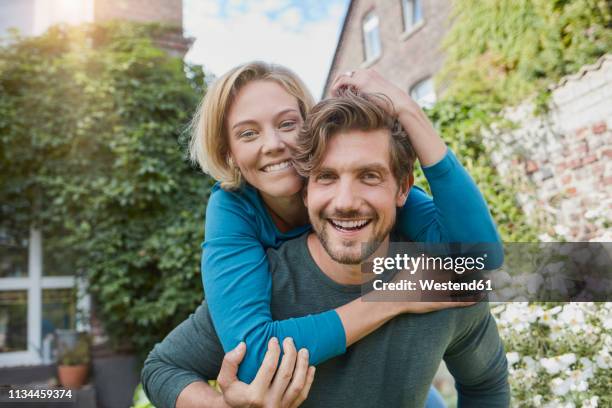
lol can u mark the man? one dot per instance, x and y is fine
(354, 160)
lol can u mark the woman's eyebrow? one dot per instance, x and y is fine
(250, 121)
(293, 110)
(243, 122)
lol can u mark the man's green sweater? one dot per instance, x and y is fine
(392, 367)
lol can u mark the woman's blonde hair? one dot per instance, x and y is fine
(209, 145)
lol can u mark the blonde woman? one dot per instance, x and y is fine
(243, 136)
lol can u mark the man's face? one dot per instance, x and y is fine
(352, 197)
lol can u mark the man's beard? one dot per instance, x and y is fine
(349, 257)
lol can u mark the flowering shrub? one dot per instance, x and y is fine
(559, 355)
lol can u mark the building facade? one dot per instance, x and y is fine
(40, 292)
(34, 17)
(400, 39)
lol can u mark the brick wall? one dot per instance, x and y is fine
(565, 159)
(166, 11)
(406, 58)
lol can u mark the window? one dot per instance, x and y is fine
(34, 301)
(412, 12)
(371, 37)
(424, 93)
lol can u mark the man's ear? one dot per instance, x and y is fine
(404, 190)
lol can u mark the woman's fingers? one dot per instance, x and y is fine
(344, 81)
(285, 371)
(268, 367)
(306, 389)
(299, 379)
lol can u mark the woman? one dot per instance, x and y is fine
(243, 135)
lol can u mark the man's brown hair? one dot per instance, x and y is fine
(352, 111)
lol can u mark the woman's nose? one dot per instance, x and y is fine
(273, 142)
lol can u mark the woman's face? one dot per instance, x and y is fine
(262, 126)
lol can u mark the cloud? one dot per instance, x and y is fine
(229, 32)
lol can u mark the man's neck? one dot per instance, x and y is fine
(344, 274)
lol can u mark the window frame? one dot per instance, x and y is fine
(412, 25)
(367, 59)
(421, 82)
(34, 284)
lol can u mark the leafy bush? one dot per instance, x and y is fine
(558, 354)
(91, 122)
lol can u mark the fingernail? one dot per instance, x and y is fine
(274, 340)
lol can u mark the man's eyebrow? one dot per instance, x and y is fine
(373, 167)
(250, 121)
(360, 169)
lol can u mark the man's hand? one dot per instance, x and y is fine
(288, 389)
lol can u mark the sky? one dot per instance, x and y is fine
(299, 34)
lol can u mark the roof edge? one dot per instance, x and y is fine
(340, 39)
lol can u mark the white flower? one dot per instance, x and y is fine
(537, 400)
(603, 359)
(561, 230)
(559, 386)
(567, 359)
(513, 357)
(551, 365)
(592, 402)
(572, 316)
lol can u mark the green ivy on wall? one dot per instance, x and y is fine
(92, 126)
(498, 54)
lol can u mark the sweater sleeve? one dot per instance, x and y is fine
(457, 213)
(238, 291)
(189, 353)
(477, 360)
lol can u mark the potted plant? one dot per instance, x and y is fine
(73, 358)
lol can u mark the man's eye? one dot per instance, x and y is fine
(325, 178)
(370, 177)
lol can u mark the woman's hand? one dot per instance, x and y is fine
(428, 145)
(287, 389)
(370, 81)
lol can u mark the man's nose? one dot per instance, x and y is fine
(345, 198)
(273, 142)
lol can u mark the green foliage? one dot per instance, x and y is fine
(78, 353)
(499, 53)
(503, 51)
(461, 124)
(91, 125)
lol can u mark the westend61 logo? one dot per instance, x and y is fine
(412, 264)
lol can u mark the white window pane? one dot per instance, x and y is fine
(417, 12)
(424, 93)
(412, 12)
(13, 320)
(371, 37)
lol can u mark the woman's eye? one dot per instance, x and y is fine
(247, 134)
(288, 124)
